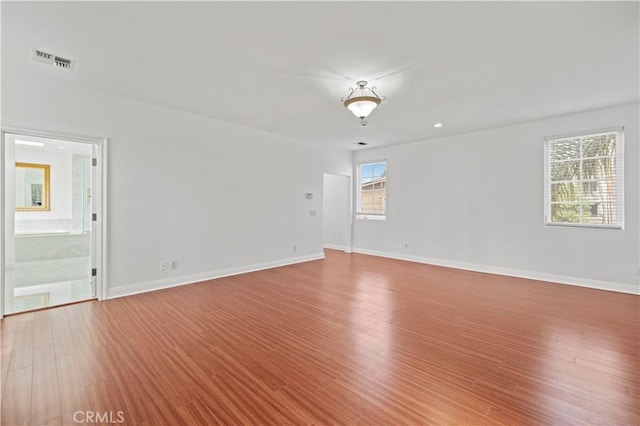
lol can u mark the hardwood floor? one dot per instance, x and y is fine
(351, 339)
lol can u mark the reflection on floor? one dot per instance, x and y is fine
(34, 285)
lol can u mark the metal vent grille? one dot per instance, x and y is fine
(51, 59)
(63, 62)
(41, 56)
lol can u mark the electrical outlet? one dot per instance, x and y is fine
(312, 212)
(173, 264)
(163, 265)
(295, 247)
(406, 245)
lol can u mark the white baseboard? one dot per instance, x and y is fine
(131, 289)
(539, 276)
(336, 247)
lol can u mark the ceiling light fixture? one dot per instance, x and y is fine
(362, 100)
(437, 125)
(29, 143)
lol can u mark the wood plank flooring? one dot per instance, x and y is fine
(351, 339)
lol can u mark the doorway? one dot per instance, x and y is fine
(336, 212)
(52, 193)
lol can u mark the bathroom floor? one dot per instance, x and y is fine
(38, 284)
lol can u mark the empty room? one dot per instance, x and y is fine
(309, 213)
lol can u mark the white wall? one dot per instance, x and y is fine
(476, 201)
(216, 197)
(336, 211)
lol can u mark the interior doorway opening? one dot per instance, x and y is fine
(336, 212)
(51, 197)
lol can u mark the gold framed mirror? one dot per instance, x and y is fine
(32, 187)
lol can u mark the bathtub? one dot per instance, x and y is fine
(31, 246)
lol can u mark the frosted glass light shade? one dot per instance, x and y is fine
(361, 106)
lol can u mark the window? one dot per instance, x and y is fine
(372, 191)
(584, 180)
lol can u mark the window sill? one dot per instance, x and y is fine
(370, 217)
(582, 225)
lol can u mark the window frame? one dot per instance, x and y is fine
(619, 179)
(370, 216)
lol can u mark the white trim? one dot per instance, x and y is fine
(336, 247)
(581, 133)
(370, 216)
(131, 289)
(497, 270)
(358, 188)
(583, 225)
(26, 131)
(3, 266)
(102, 250)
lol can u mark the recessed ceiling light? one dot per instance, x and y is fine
(360, 143)
(61, 147)
(29, 143)
(437, 125)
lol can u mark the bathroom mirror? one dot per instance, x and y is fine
(32, 187)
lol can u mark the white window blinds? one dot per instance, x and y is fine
(584, 183)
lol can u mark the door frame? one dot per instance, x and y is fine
(99, 199)
(349, 209)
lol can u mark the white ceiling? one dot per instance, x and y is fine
(52, 145)
(283, 66)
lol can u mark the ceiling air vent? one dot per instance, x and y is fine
(41, 56)
(63, 63)
(51, 59)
